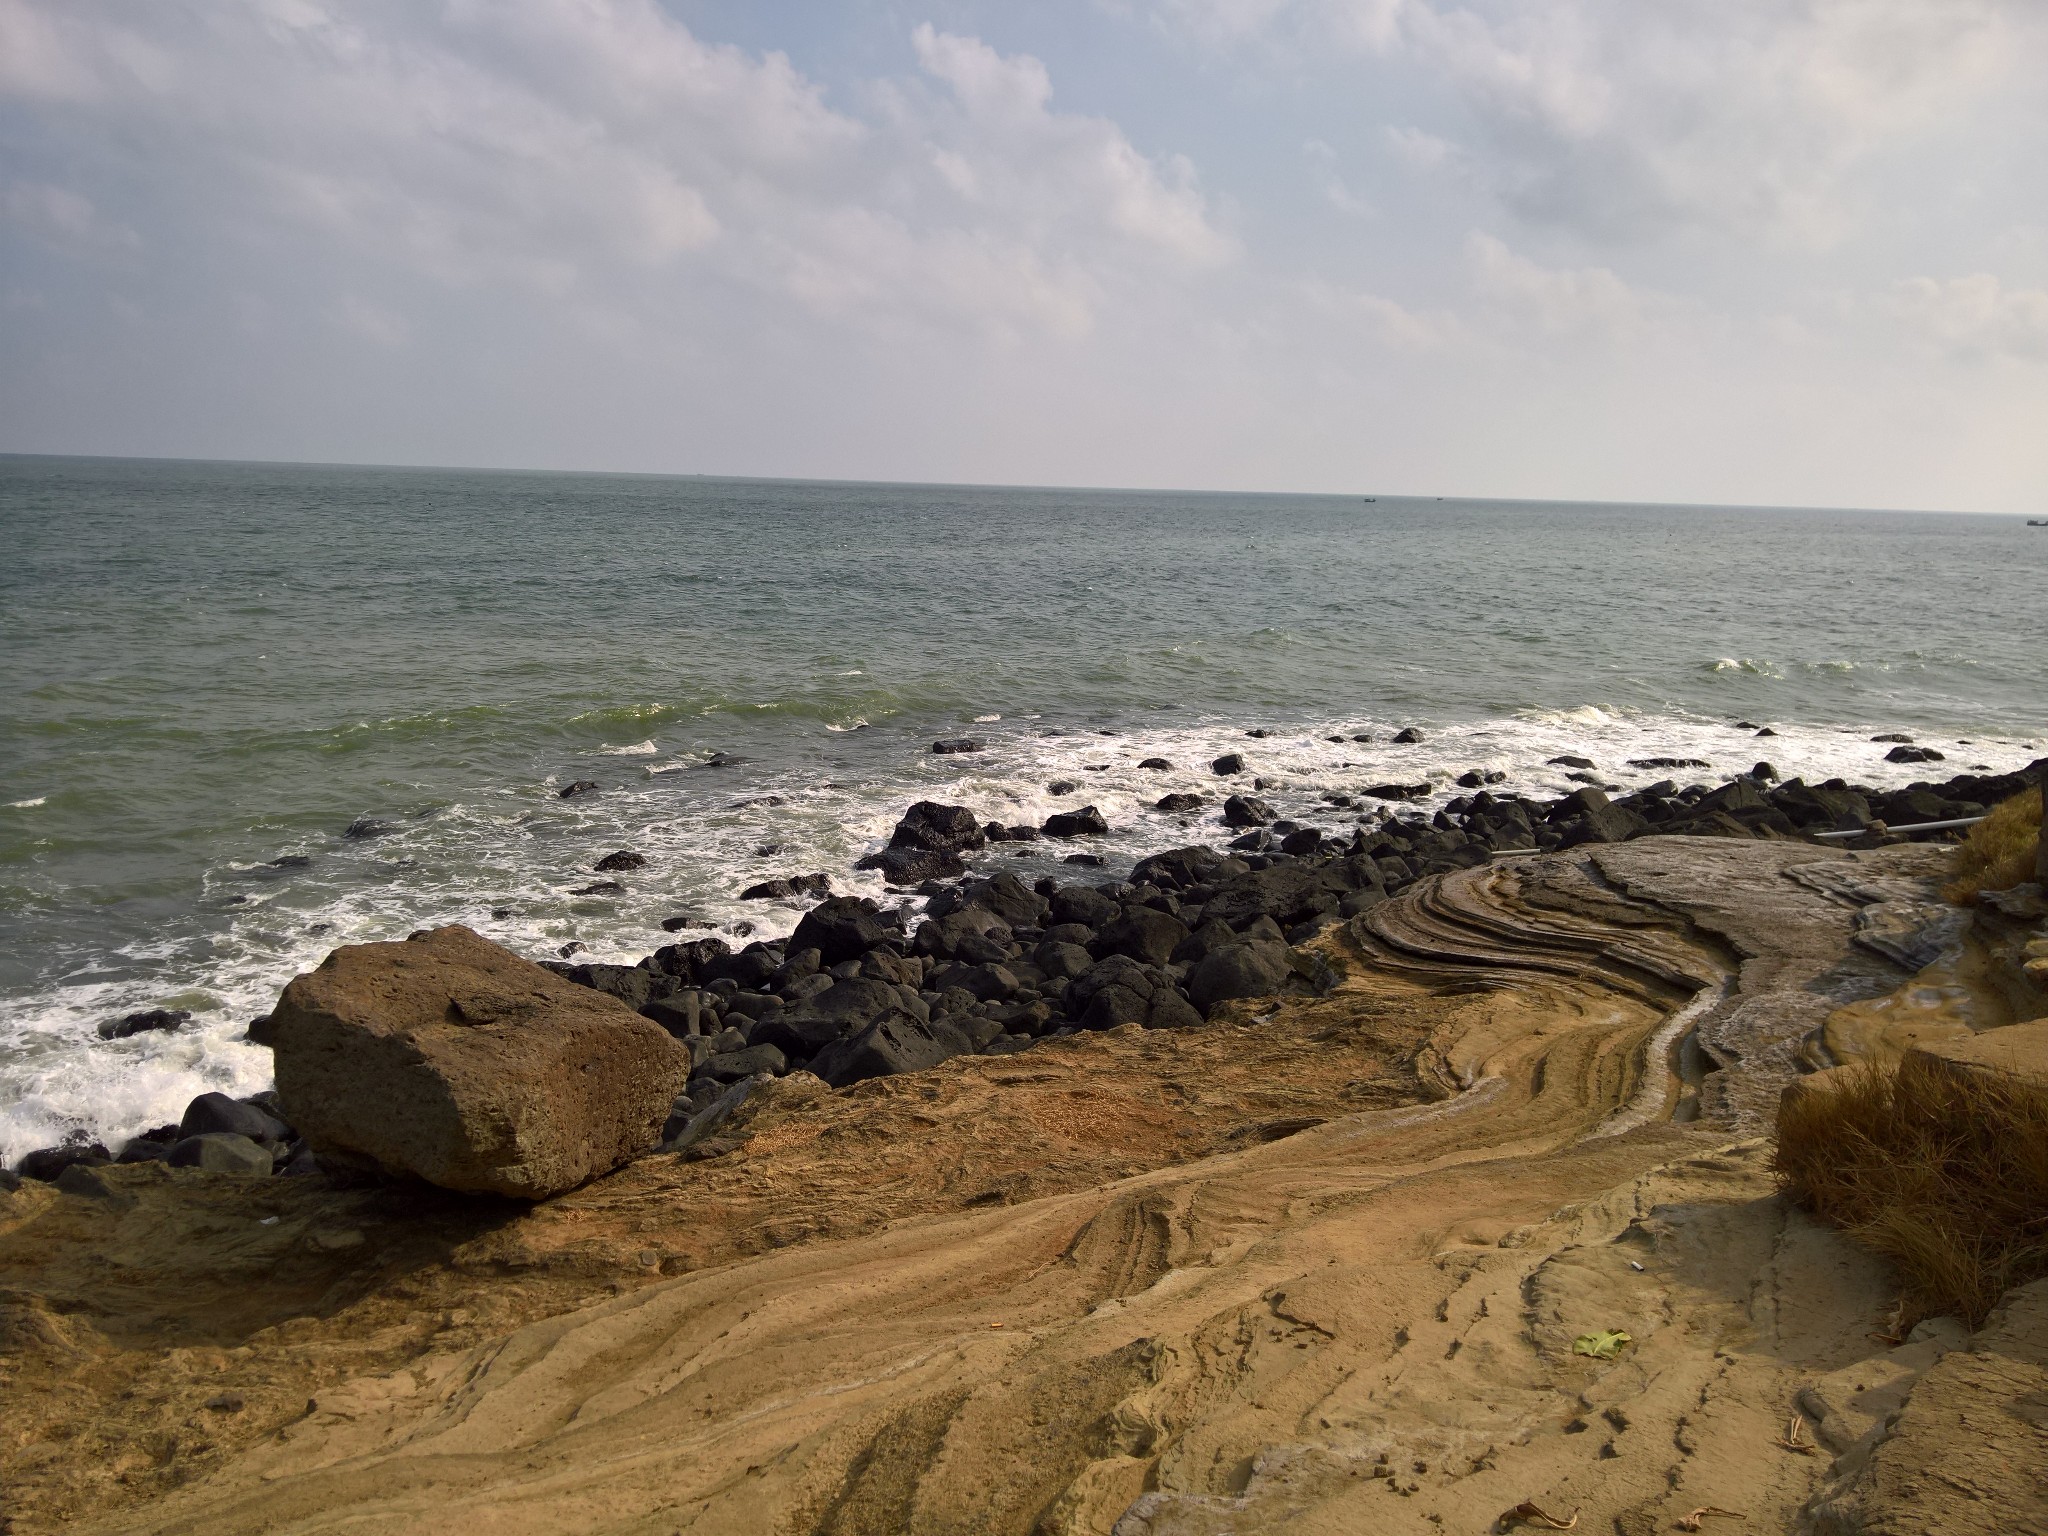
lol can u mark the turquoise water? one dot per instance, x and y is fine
(208, 667)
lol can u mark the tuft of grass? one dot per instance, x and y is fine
(2000, 851)
(1944, 1174)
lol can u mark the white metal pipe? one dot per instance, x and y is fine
(1922, 826)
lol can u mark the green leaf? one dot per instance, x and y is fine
(1601, 1346)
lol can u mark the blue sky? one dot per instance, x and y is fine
(1762, 251)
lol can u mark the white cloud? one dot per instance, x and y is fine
(64, 218)
(1007, 150)
(1386, 321)
(600, 148)
(1556, 301)
(1628, 118)
(1974, 316)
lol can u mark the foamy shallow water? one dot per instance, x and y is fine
(212, 668)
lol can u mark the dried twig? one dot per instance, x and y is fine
(1692, 1521)
(1794, 1438)
(1528, 1513)
(1894, 1331)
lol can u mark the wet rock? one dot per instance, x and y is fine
(1897, 736)
(1085, 905)
(841, 1011)
(1143, 935)
(1587, 816)
(1228, 763)
(1302, 842)
(972, 935)
(1007, 897)
(450, 1059)
(1061, 961)
(1088, 860)
(789, 888)
(1178, 868)
(364, 827)
(222, 1152)
(956, 745)
(600, 888)
(213, 1113)
(683, 1014)
(166, 1019)
(914, 866)
(1156, 764)
(1238, 970)
(1288, 894)
(1913, 755)
(1120, 990)
(682, 920)
(1398, 791)
(1407, 736)
(683, 962)
(624, 859)
(748, 969)
(46, 1163)
(1669, 762)
(1086, 822)
(731, 1066)
(985, 983)
(580, 787)
(1246, 811)
(632, 985)
(842, 929)
(1571, 760)
(938, 828)
(1176, 803)
(890, 1046)
(1061, 787)
(151, 1146)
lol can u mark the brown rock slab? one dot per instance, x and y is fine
(455, 1061)
(2018, 1051)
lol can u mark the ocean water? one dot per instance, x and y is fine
(206, 669)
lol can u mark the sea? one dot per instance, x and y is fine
(210, 671)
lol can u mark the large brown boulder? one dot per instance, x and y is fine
(455, 1061)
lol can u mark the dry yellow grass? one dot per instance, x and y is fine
(1945, 1176)
(2000, 851)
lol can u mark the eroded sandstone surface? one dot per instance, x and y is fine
(1317, 1265)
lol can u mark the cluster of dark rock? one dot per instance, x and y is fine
(216, 1134)
(996, 965)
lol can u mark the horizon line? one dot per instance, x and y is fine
(1001, 485)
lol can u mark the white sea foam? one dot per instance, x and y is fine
(637, 749)
(28, 805)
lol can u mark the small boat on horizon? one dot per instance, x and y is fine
(2037, 522)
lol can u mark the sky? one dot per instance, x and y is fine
(1767, 252)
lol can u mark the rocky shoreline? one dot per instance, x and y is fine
(992, 965)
